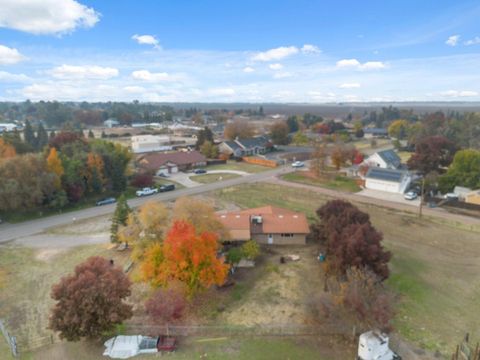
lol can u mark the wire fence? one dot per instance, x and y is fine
(11, 340)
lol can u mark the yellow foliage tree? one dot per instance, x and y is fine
(54, 165)
(399, 129)
(201, 215)
(6, 150)
(95, 177)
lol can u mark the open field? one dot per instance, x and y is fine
(435, 267)
(240, 166)
(340, 183)
(209, 178)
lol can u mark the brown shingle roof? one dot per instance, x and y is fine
(274, 221)
(155, 161)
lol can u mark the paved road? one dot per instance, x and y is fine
(10, 232)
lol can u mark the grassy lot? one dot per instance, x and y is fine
(241, 166)
(404, 155)
(434, 267)
(340, 183)
(210, 178)
(260, 348)
(365, 144)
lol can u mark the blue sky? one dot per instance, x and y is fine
(252, 51)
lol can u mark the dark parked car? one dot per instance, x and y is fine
(106, 201)
(167, 187)
(200, 171)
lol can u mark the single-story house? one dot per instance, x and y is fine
(150, 143)
(110, 123)
(171, 162)
(473, 197)
(386, 159)
(390, 180)
(245, 147)
(375, 133)
(461, 192)
(267, 225)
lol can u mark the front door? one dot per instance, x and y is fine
(270, 239)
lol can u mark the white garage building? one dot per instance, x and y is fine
(389, 180)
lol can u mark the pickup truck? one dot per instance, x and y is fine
(146, 191)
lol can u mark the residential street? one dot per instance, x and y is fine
(14, 231)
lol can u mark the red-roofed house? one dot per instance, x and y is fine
(172, 162)
(267, 225)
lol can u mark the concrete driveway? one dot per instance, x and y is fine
(184, 179)
(384, 195)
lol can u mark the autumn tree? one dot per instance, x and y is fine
(464, 171)
(399, 129)
(6, 150)
(203, 135)
(300, 138)
(120, 217)
(360, 301)
(54, 165)
(432, 153)
(251, 249)
(209, 150)
(95, 177)
(201, 215)
(239, 128)
(319, 158)
(167, 305)
(90, 301)
(142, 180)
(342, 153)
(186, 257)
(279, 133)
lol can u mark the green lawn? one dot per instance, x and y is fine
(210, 178)
(338, 182)
(241, 166)
(221, 348)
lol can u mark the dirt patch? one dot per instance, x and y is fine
(99, 224)
(48, 254)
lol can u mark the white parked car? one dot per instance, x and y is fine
(373, 345)
(146, 191)
(411, 195)
(450, 196)
(297, 164)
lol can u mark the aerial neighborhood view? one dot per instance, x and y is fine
(272, 180)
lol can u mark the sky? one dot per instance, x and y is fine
(240, 50)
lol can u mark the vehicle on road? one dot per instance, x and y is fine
(298, 164)
(167, 187)
(199, 171)
(411, 195)
(106, 201)
(450, 196)
(146, 191)
(163, 175)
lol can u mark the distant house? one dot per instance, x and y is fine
(110, 123)
(150, 143)
(245, 147)
(375, 133)
(173, 162)
(389, 180)
(473, 197)
(386, 159)
(267, 225)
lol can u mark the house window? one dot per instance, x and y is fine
(286, 235)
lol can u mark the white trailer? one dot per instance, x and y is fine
(373, 345)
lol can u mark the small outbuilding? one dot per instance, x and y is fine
(389, 180)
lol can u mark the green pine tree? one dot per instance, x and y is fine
(120, 217)
(90, 134)
(29, 136)
(42, 137)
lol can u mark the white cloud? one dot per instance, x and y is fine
(12, 78)
(459, 93)
(222, 91)
(276, 54)
(474, 41)
(276, 66)
(9, 56)
(146, 75)
(349, 86)
(452, 40)
(67, 72)
(355, 64)
(248, 69)
(134, 89)
(282, 75)
(310, 49)
(146, 40)
(46, 16)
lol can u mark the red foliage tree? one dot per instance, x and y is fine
(65, 137)
(90, 301)
(358, 158)
(166, 305)
(433, 153)
(142, 180)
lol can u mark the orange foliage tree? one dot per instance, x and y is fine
(6, 150)
(186, 257)
(54, 165)
(95, 177)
